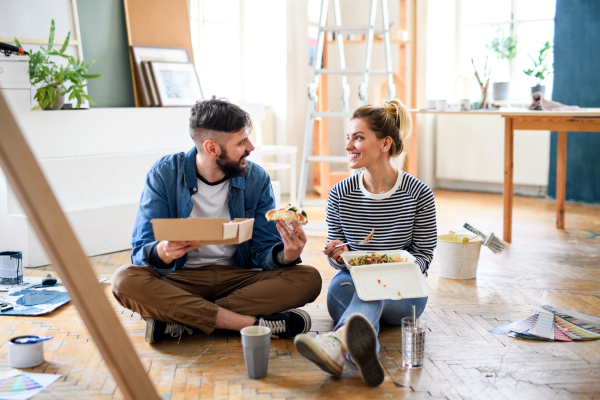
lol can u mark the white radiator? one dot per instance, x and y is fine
(471, 148)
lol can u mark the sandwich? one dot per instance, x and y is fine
(287, 214)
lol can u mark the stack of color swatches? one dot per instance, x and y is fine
(554, 324)
(17, 382)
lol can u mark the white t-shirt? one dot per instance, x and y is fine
(211, 202)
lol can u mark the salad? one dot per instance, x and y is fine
(375, 258)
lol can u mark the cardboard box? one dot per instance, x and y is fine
(203, 230)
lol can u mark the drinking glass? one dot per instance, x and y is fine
(413, 342)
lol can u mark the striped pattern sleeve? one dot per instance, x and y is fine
(424, 230)
(334, 224)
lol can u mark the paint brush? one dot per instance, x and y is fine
(33, 339)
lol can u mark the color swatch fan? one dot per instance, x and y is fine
(18, 383)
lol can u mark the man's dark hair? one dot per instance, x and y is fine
(211, 118)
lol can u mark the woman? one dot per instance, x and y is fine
(402, 211)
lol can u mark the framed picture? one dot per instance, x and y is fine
(153, 53)
(149, 82)
(176, 83)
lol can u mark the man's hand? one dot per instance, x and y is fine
(170, 251)
(293, 241)
(335, 253)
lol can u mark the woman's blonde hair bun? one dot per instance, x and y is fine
(391, 119)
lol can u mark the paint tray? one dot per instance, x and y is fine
(401, 280)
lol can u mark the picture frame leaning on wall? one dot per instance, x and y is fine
(176, 83)
(153, 53)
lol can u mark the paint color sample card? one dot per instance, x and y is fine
(18, 384)
(10, 374)
(544, 325)
(26, 386)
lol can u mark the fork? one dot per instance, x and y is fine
(343, 244)
(364, 241)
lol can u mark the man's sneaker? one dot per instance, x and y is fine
(158, 330)
(286, 324)
(324, 350)
(362, 346)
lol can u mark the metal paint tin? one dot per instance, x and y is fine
(25, 355)
(11, 267)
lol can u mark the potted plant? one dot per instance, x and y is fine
(540, 70)
(505, 48)
(54, 77)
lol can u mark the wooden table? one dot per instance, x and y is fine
(584, 120)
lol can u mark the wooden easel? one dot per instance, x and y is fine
(41, 207)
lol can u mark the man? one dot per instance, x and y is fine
(177, 286)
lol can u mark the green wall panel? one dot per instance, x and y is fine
(104, 39)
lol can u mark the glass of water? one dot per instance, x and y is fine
(413, 342)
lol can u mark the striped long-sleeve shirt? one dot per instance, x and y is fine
(403, 218)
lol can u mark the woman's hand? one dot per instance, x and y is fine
(170, 251)
(335, 253)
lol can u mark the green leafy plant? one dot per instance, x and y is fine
(505, 47)
(540, 70)
(54, 77)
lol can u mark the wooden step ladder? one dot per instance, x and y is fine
(314, 117)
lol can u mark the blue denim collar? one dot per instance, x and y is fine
(189, 173)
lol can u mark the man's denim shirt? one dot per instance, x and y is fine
(168, 191)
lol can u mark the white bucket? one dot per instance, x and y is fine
(458, 259)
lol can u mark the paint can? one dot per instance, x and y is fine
(11, 267)
(458, 256)
(25, 355)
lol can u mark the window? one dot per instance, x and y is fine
(216, 38)
(531, 21)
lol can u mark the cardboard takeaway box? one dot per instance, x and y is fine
(203, 230)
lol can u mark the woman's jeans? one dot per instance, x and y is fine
(342, 301)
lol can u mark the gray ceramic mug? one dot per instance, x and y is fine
(256, 341)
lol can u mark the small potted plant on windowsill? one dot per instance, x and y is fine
(505, 48)
(540, 70)
(54, 77)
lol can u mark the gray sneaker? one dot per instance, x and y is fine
(362, 346)
(158, 330)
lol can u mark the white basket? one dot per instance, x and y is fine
(458, 259)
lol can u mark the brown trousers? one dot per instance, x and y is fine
(192, 297)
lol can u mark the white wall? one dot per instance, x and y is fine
(264, 53)
(440, 47)
(298, 76)
(275, 67)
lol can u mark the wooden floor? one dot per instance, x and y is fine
(463, 360)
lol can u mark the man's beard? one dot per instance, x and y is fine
(231, 168)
